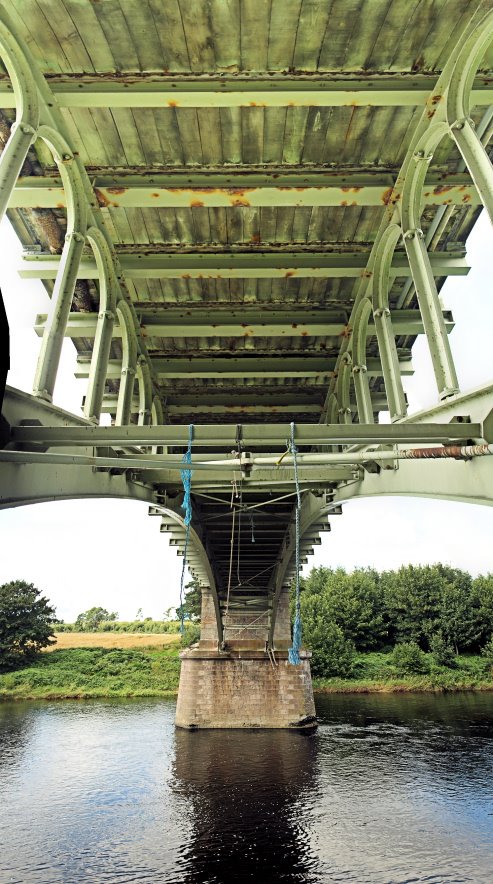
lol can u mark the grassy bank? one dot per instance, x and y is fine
(375, 673)
(91, 672)
(95, 672)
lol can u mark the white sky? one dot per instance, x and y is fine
(110, 553)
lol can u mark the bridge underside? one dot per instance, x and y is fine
(244, 215)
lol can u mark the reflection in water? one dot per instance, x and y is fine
(390, 790)
(246, 792)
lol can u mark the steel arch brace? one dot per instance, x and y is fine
(108, 296)
(129, 363)
(383, 323)
(433, 110)
(458, 110)
(360, 368)
(201, 568)
(36, 105)
(26, 123)
(313, 508)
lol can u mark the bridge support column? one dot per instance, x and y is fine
(242, 685)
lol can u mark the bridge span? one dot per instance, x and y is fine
(244, 214)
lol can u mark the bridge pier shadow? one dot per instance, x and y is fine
(245, 791)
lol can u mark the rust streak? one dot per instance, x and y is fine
(196, 204)
(442, 188)
(101, 198)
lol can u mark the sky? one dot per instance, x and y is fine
(123, 563)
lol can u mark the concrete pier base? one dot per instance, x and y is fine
(244, 689)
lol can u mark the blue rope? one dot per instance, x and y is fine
(186, 478)
(294, 650)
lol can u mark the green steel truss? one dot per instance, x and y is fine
(240, 293)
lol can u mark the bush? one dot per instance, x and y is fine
(408, 657)
(443, 653)
(191, 634)
(487, 654)
(333, 653)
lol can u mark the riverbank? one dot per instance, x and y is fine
(86, 673)
(154, 671)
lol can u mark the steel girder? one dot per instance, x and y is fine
(238, 265)
(446, 113)
(214, 190)
(289, 90)
(172, 323)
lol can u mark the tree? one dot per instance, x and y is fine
(26, 623)
(353, 602)
(192, 602)
(483, 591)
(333, 653)
(90, 620)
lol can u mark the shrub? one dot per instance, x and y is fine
(487, 654)
(191, 634)
(443, 653)
(333, 653)
(408, 657)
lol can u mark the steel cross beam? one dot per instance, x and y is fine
(186, 367)
(244, 265)
(215, 190)
(254, 435)
(206, 324)
(309, 90)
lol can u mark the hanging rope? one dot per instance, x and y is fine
(186, 478)
(294, 650)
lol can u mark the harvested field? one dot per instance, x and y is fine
(113, 640)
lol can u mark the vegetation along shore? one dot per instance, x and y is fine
(426, 628)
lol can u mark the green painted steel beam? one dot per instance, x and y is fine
(231, 405)
(183, 368)
(244, 265)
(253, 435)
(216, 191)
(198, 324)
(151, 91)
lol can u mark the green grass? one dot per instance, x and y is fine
(154, 672)
(375, 672)
(95, 672)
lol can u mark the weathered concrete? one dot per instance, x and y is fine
(239, 685)
(242, 689)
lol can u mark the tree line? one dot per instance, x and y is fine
(433, 608)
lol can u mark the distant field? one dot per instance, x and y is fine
(113, 640)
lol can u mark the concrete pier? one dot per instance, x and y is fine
(244, 688)
(240, 685)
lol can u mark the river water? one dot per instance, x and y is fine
(392, 788)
